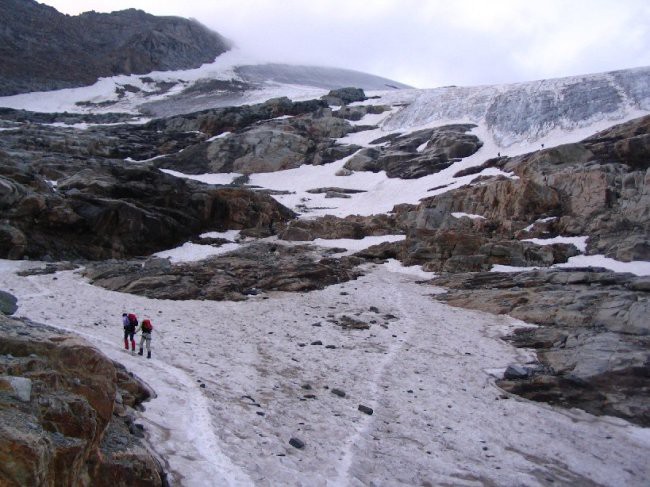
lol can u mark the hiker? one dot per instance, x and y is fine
(147, 328)
(129, 321)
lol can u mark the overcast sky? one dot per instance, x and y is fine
(424, 43)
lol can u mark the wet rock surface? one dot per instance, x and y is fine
(593, 339)
(71, 422)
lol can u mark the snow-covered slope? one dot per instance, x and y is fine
(527, 112)
(233, 78)
(236, 380)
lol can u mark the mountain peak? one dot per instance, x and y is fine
(42, 49)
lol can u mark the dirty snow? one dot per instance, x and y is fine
(579, 242)
(427, 374)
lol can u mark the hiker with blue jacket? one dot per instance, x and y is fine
(146, 328)
(129, 322)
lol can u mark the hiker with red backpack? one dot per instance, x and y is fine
(147, 328)
(129, 321)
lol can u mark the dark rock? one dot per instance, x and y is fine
(365, 409)
(417, 154)
(121, 211)
(317, 342)
(7, 303)
(344, 96)
(515, 371)
(68, 51)
(353, 323)
(297, 443)
(338, 392)
(308, 137)
(592, 343)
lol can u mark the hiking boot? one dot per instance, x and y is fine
(148, 353)
(140, 352)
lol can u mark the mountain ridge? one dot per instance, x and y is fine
(42, 49)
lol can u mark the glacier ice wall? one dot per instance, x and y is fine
(525, 112)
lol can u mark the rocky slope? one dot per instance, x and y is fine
(65, 51)
(595, 188)
(102, 206)
(67, 413)
(593, 339)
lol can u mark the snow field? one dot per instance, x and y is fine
(427, 373)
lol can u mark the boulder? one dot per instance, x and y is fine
(515, 371)
(7, 303)
(59, 413)
(344, 96)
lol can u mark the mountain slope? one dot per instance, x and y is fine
(42, 49)
(523, 112)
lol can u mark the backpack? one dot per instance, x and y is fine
(133, 319)
(147, 327)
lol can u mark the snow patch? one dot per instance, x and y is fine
(467, 215)
(637, 267)
(356, 245)
(579, 242)
(191, 252)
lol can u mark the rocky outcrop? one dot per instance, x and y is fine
(344, 96)
(331, 227)
(417, 154)
(117, 211)
(68, 51)
(596, 188)
(65, 412)
(274, 145)
(233, 276)
(593, 341)
(230, 119)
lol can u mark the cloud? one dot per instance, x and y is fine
(425, 43)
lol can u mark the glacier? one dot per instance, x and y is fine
(528, 112)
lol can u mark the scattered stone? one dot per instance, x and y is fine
(365, 409)
(331, 347)
(297, 443)
(353, 323)
(515, 371)
(317, 342)
(19, 387)
(8, 302)
(338, 392)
